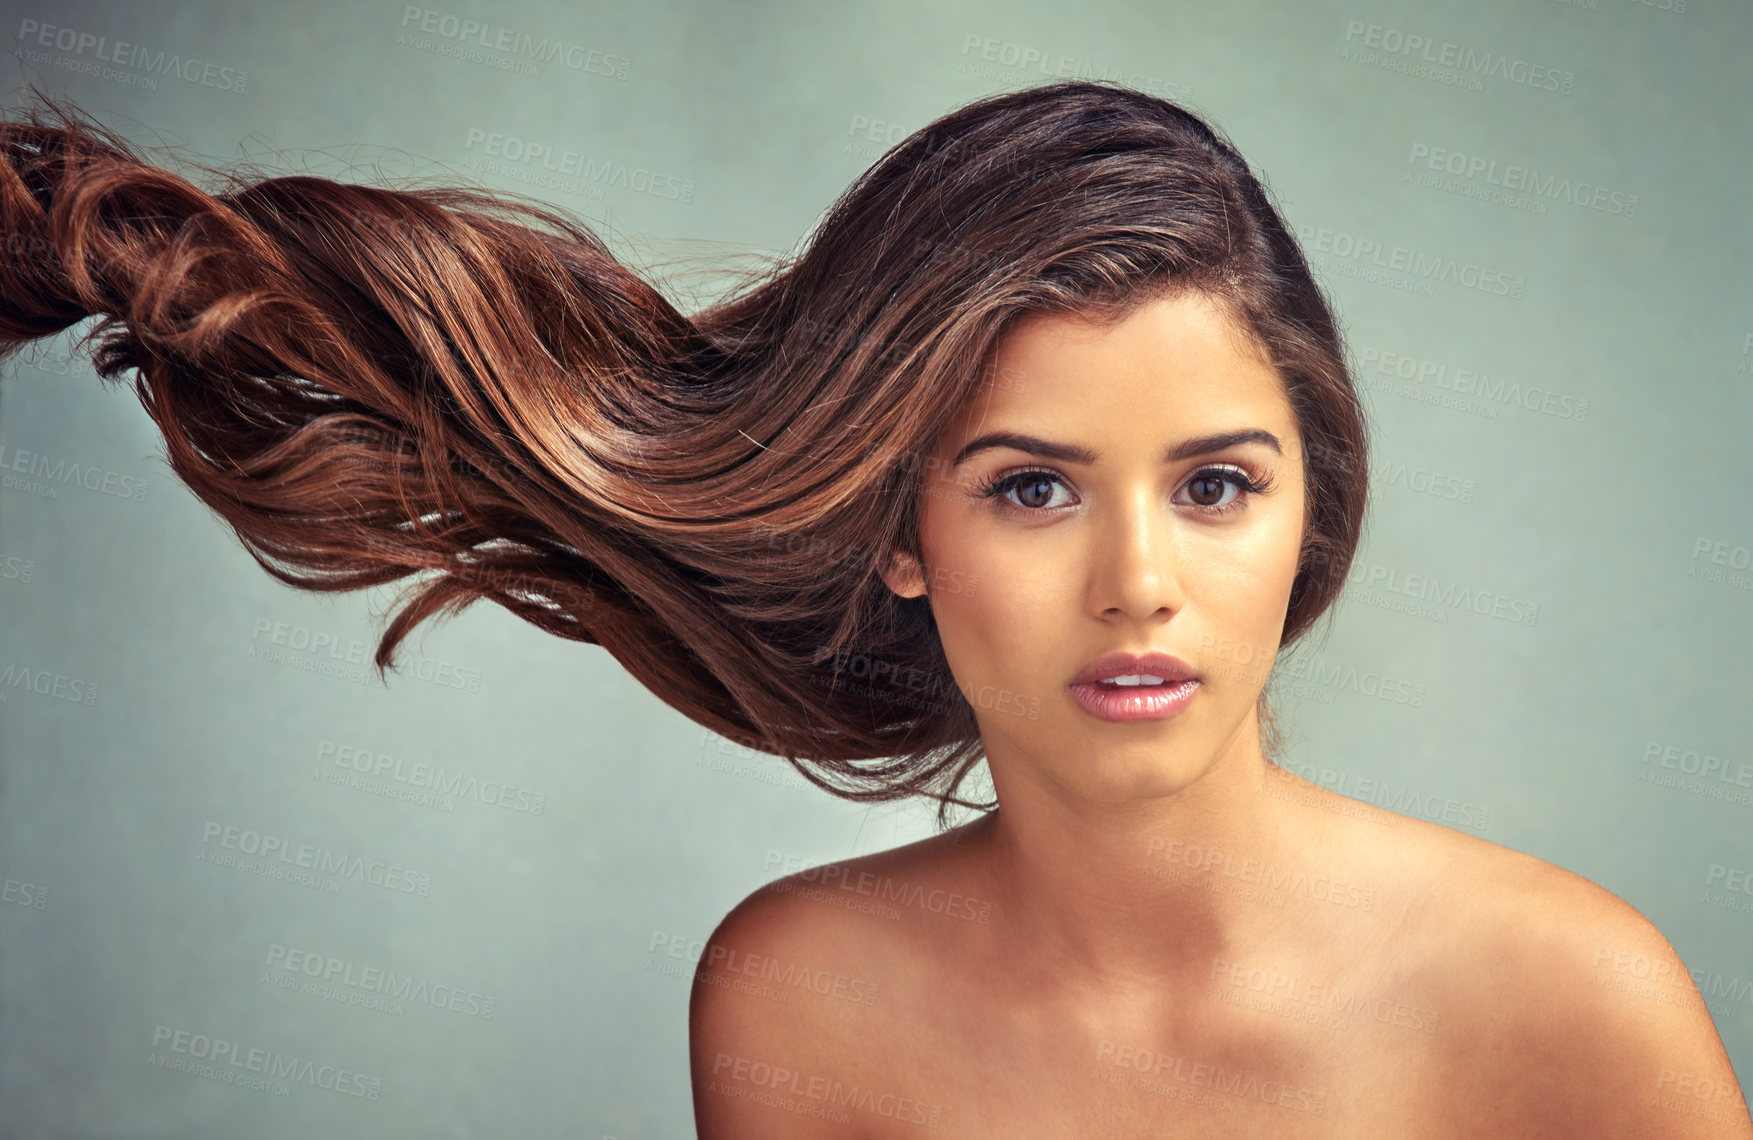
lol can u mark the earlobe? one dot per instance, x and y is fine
(903, 576)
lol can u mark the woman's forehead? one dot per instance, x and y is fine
(1187, 326)
(1178, 359)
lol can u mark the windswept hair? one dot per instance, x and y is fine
(370, 384)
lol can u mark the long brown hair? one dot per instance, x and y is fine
(370, 383)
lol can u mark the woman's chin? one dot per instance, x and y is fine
(1121, 780)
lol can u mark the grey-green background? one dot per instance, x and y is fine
(1580, 448)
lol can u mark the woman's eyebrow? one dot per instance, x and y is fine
(1072, 453)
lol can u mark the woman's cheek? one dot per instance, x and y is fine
(1240, 615)
(994, 626)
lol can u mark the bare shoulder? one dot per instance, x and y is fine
(788, 1017)
(1573, 1006)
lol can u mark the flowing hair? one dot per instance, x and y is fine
(470, 391)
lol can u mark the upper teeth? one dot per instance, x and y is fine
(1137, 679)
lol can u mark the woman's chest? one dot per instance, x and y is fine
(974, 1070)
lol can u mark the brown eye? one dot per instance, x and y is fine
(1207, 490)
(1034, 490)
(1030, 492)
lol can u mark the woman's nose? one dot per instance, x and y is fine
(1135, 568)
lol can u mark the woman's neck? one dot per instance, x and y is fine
(1152, 892)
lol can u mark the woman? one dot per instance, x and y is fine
(1039, 453)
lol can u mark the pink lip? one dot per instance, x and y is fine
(1142, 702)
(1162, 665)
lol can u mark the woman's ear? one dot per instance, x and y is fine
(903, 575)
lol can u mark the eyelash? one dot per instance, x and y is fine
(1248, 482)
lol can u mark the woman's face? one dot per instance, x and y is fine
(1055, 532)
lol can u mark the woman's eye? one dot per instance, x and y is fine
(1211, 491)
(1208, 485)
(1035, 490)
(1207, 488)
(1026, 490)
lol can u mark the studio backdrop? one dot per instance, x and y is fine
(475, 898)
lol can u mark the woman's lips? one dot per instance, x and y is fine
(1165, 666)
(1112, 702)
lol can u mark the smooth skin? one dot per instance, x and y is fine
(1159, 933)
